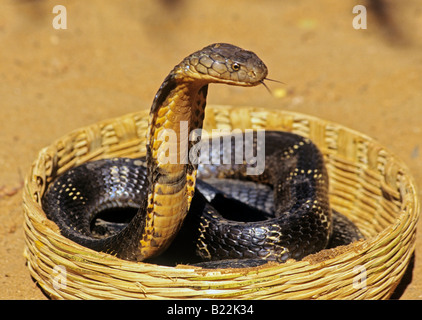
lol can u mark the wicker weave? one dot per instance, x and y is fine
(367, 183)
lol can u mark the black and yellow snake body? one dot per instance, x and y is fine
(282, 213)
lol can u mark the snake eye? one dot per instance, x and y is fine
(236, 66)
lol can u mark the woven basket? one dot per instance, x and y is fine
(367, 183)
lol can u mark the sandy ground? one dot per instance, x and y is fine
(114, 54)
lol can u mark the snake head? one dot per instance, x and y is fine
(224, 63)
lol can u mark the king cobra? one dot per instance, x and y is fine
(280, 214)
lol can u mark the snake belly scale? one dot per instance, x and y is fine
(294, 219)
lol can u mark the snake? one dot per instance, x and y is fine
(139, 209)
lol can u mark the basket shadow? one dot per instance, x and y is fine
(405, 281)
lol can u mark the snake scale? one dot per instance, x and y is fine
(137, 209)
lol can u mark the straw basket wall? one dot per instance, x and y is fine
(367, 183)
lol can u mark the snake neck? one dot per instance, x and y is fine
(178, 108)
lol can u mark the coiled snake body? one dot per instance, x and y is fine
(286, 214)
